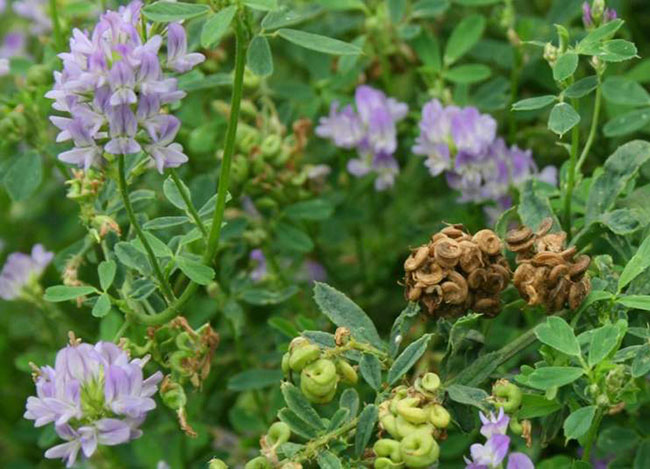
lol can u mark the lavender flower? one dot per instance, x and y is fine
(94, 395)
(22, 269)
(489, 455)
(494, 425)
(37, 12)
(112, 86)
(371, 130)
(597, 14)
(260, 271)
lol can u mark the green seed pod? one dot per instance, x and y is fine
(319, 378)
(439, 416)
(408, 408)
(271, 145)
(430, 382)
(507, 394)
(259, 462)
(315, 399)
(405, 428)
(386, 463)
(177, 362)
(278, 434)
(347, 372)
(184, 342)
(388, 448)
(174, 396)
(303, 356)
(419, 449)
(515, 426)
(285, 364)
(389, 423)
(247, 138)
(240, 169)
(217, 464)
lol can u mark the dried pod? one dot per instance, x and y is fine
(477, 278)
(556, 273)
(523, 246)
(455, 290)
(553, 242)
(432, 276)
(470, 256)
(488, 242)
(544, 227)
(447, 253)
(416, 259)
(519, 235)
(453, 231)
(580, 266)
(548, 259)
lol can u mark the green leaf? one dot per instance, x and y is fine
(627, 123)
(428, 50)
(163, 223)
(617, 50)
(133, 258)
(324, 44)
(565, 66)
(599, 34)
(216, 26)
(477, 3)
(265, 297)
(254, 379)
(173, 194)
(342, 5)
(370, 369)
(290, 238)
(617, 438)
(350, 400)
(534, 406)
(429, 8)
(60, 293)
(623, 221)
(300, 406)
(365, 428)
(258, 58)
(102, 306)
(328, 460)
(197, 272)
(343, 312)
(297, 425)
(550, 376)
(396, 10)
(405, 361)
(642, 455)
(641, 363)
(635, 301)
(582, 87)
(315, 209)
(579, 422)
(563, 118)
(533, 206)
(530, 104)
(24, 176)
(557, 333)
(262, 5)
(620, 90)
(619, 169)
(603, 342)
(159, 248)
(339, 418)
(400, 326)
(288, 17)
(468, 74)
(468, 395)
(165, 12)
(106, 272)
(464, 37)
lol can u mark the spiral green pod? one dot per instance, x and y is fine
(347, 372)
(319, 378)
(314, 399)
(271, 145)
(279, 433)
(303, 355)
(419, 449)
(217, 464)
(389, 423)
(408, 408)
(405, 428)
(386, 463)
(439, 416)
(259, 462)
(388, 448)
(508, 395)
(430, 382)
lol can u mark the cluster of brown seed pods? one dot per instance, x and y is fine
(548, 273)
(457, 271)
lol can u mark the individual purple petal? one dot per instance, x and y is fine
(519, 461)
(260, 271)
(586, 15)
(177, 57)
(492, 453)
(494, 425)
(343, 128)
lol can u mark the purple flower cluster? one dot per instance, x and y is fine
(22, 269)
(94, 395)
(463, 144)
(37, 12)
(370, 129)
(492, 454)
(592, 17)
(113, 87)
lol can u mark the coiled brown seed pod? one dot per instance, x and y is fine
(547, 273)
(461, 272)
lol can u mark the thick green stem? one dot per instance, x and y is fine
(591, 436)
(314, 447)
(571, 177)
(164, 285)
(188, 202)
(56, 26)
(215, 230)
(592, 130)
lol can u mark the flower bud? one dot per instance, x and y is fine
(347, 372)
(319, 379)
(419, 449)
(439, 416)
(303, 356)
(388, 448)
(278, 434)
(217, 464)
(597, 9)
(409, 410)
(271, 145)
(259, 462)
(507, 395)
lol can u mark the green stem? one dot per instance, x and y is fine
(120, 332)
(313, 448)
(514, 88)
(215, 230)
(571, 177)
(591, 436)
(592, 130)
(56, 26)
(188, 202)
(136, 226)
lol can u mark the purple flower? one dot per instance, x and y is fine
(260, 271)
(94, 395)
(112, 85)
(36, 11)
(177, 57)
(313, 271)
(597, 14)
(21, 269)
(519, 461)
(494, 425)
(586, 15)
(371, 130)
(491, 454)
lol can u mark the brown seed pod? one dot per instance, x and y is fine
(447, 252)
(488, 242)
(519, 235)
(544, 227)
(470, 256)
(416, 259)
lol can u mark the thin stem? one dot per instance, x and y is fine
(591, 436)
(215, 230)
(571, 177)
(136, 226)
(56, 26)
(592, 130)
(313, 447)
(120, 332)
(514, 88)
(188, 202)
